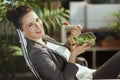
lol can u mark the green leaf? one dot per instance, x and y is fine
(15, 50)
(56, 19)
(40, 13)
(46, 25)
(53, 26)
(46, 12)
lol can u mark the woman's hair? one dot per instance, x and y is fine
(15, 14)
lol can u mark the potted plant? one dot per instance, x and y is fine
(113, 40)
(115, 26)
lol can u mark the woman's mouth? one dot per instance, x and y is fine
(39, 32)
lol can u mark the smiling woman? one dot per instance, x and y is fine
(37, 44)
(50, 57)
(32, 26)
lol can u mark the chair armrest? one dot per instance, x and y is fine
(82, 61)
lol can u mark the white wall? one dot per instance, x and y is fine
(77, 13)
(92, 16)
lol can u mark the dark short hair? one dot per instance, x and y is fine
(15, 14)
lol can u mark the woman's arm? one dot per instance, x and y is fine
(75, 49)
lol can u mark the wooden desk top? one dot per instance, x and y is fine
(104, 49)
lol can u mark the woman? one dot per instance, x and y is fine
(52, 60)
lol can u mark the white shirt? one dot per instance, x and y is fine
(83, 72)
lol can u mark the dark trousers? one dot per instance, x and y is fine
(110, 69)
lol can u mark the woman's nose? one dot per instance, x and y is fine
(37, 25)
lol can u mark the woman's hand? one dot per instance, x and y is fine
(77, 50)
(72, 32)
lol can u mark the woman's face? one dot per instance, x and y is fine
(32, 26)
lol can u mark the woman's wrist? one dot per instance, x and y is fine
(72, 58)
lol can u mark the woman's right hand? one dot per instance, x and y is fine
(77, 50)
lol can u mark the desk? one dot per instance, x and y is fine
(94, 51)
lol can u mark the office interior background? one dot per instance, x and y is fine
(102, 17)
(97, 16)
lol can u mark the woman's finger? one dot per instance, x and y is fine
(76, 31)
(80, 27)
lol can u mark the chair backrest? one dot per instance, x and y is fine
(23, 43)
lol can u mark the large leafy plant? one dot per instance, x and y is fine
(52, 18)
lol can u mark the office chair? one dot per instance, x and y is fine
(23, 43)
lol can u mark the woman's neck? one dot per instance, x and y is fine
(41, 41)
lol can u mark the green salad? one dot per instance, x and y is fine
(87, 37)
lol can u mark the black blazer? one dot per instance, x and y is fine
(48, 64)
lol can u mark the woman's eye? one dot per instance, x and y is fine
(30, 25)
(38, 20)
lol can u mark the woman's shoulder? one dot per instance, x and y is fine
(34, 47)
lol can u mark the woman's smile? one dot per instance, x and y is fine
(39, 32)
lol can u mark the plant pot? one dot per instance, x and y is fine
(110, 43)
